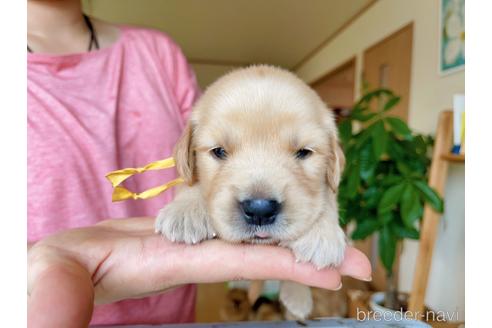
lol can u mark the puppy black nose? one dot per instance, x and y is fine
(260, 211)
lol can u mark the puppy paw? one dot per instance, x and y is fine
(297, 299)
(322, 246)
(185, 220)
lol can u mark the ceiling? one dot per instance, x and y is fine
(237, 32)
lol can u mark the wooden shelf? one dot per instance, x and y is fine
(441, 158)
(430, 220)
(453, 158)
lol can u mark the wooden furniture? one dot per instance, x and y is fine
(430, 222)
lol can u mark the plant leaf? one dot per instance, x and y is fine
(387, 247)
(365, 229)
(351, 153)
(345, 130)
(430, 195)
(375, 93)
(363, 117)
(342, 216)
(358, 111)
(391, 179)
(367, 162)
(353, 181)
(403, 168)
(385, 218)
(390, 198)
(364, 135)
(405, 232)
(400, 127)
(420, 145)
(371, 197)
(379, 139)
(411, 208)
(391, 103)
(395, 150)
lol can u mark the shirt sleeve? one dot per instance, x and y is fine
(184, 82)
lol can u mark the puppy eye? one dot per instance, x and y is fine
(303, 153)
(219, 152)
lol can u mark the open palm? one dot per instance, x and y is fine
(119, 259)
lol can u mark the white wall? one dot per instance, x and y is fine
(429, 94)
(208, 73)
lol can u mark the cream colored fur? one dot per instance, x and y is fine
(261, 116)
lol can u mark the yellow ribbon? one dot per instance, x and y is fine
(121, 193)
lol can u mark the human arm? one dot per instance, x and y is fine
(120, 259)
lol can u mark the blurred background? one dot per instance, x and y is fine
(339, 47)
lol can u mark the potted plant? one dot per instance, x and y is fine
(384, 185)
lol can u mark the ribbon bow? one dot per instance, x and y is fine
(121, 193)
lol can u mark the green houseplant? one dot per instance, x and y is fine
(384, 186)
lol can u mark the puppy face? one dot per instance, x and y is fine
(264, 149)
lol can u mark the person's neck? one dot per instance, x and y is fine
(56, 27)
(53, 17)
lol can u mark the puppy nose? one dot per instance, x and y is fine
(260, 211)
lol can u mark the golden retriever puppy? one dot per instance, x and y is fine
(262, 163)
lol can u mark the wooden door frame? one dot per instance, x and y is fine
(379, 278)
(336, 70)
(391, 35)
(408, 26)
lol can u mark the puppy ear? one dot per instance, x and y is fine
(336, 163)
(184, 155)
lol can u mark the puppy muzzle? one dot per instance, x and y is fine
(259, 211)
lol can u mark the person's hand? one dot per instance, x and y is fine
(119, 259)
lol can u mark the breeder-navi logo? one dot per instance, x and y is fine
(436, 316)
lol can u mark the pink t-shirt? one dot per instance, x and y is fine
(92, 113)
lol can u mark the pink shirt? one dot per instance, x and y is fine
(95, 112)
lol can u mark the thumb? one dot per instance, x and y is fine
(66, 287)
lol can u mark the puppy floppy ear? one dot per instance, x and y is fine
(336, 163)
(184, 155)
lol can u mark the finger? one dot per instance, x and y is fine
(61, 296)
(215, 261)
(137, 224)
(161, 264)
(356, 264)
(281, 261)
